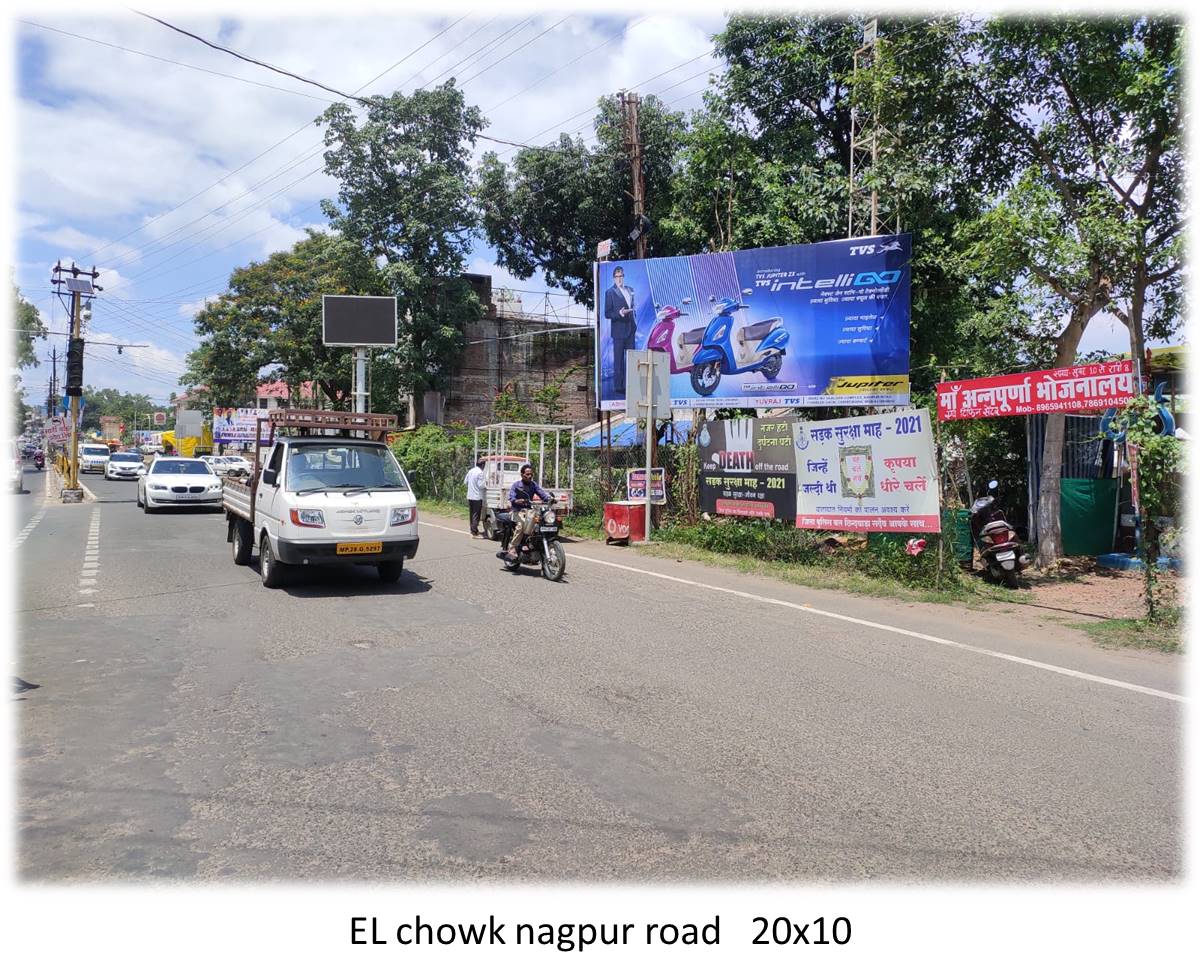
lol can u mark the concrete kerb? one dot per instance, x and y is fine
(54, 486)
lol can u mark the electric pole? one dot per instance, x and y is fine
(77, 286)
(630, 103)
(52, 400)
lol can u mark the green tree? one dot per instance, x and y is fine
(27, 328)
(270, 318)
(405, 200)
(549, 207)
(1077, 116)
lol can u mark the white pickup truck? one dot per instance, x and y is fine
(323, 500)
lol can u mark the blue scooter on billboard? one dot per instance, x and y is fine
(726, 349)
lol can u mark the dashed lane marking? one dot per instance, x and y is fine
(90, 568)
(885, 627)
(29, 528)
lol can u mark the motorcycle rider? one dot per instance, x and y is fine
(521, 496)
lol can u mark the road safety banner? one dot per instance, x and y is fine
(747, 468)
(236, 424)
(872, 473)
(791, 325)
(1087, 387)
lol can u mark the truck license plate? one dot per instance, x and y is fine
(360, 548)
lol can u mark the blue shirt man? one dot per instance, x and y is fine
(521, 496)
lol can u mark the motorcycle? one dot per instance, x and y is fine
(39, 459)
(679, 347)
(540, 546)
(729, 349)
(998, 544)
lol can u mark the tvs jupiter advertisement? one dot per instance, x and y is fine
(798, 325)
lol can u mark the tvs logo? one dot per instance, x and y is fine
(358, 519)
(892, 246)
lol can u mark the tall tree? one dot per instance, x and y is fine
(549, 207)
(270, 318)
(27, 328)
(405, 201)
(1079, 110)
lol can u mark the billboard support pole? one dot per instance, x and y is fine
(360, 379)
(650, 438)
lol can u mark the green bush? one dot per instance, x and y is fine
(883, 557)
(435, 461)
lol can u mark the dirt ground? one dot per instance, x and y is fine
(1082, 587)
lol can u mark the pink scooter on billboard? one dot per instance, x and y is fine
(720, 348)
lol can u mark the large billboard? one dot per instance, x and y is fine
(870, 473)
(793, 325)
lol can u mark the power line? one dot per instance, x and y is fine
(169, 61)
(255, 61)
(273, 146)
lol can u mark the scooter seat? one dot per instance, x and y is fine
(993, 526)
(757, 331)
(692, 336)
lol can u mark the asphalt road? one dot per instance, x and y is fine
(468, 724)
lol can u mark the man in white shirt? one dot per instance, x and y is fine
(476, 491)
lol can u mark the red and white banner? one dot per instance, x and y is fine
(1087, 387)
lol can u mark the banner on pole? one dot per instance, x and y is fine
(872, 473)
(236, 424)
(1086, 387)
(790, 325)
(636, 483)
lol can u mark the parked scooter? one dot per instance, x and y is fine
(680, 346)
(728, 349)
(39, 459)
(998, 544)
(541, 546)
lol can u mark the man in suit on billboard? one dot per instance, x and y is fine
(618, 310)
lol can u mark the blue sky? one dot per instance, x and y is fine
(168, 177)
(112, 144)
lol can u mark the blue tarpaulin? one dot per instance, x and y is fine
(625, 433)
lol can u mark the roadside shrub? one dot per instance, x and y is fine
(435, 461)
(768, 540)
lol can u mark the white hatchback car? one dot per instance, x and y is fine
(174, 481)
(124, 466)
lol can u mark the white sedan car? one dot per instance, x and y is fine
(124, 466)
(174, 481)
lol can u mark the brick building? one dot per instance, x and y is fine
(522, 352)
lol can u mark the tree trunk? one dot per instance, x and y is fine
(1049, 517)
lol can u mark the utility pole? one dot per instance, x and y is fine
(630, 103)
(52, 400)
(77, 286)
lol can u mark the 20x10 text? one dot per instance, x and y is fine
(785, 932)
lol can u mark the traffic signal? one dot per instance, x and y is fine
(75, 366)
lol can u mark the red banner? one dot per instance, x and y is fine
(1086, 388)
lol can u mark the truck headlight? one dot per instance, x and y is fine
(306, 517)
(402, 515)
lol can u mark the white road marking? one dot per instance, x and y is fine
(91, 558)
(941, 641)
(28, 529)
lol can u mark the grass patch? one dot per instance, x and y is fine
(813, 571)
(1164, 634)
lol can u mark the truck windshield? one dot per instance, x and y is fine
(323, 467)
